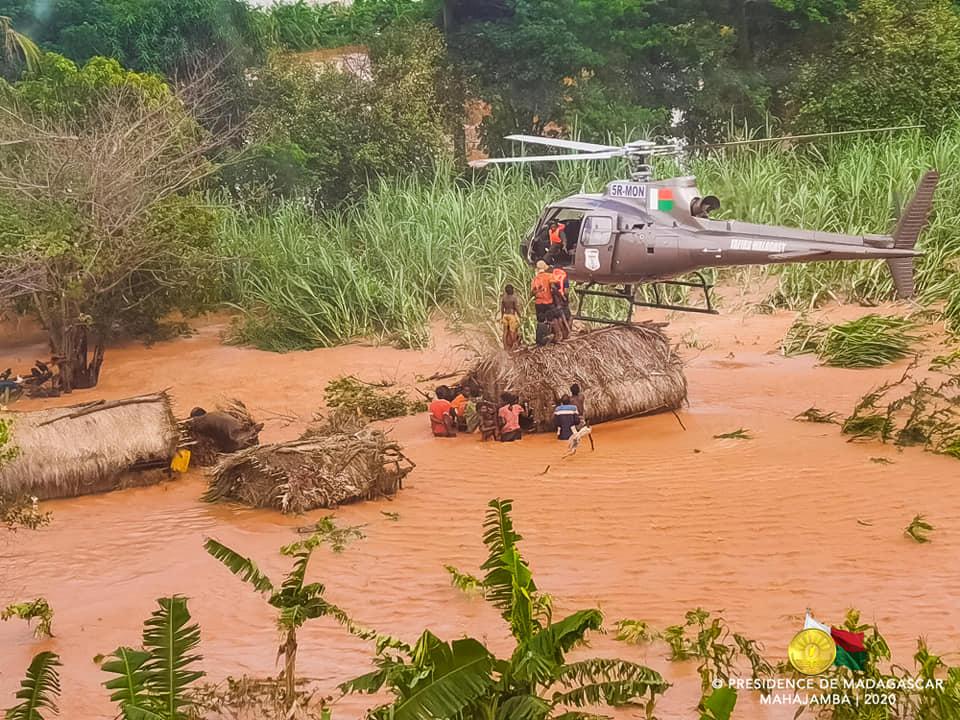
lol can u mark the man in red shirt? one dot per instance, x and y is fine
(441, 418)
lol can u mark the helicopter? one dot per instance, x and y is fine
(655, 232)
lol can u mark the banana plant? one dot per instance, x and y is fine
(463, 680)
(153, 683)
(295, 600)
(39, 690)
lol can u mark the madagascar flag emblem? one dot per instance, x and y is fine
(851, 652)
(660, 199)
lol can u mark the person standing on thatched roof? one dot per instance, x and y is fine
(565, 418)
(561, 290)
(558, 324)
(576, 397)
(510, 318)
(541, 287)
(442, 420)
(510, 413)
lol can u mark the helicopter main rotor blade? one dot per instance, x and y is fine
(607, 155)
(565, 144)
(810, 136)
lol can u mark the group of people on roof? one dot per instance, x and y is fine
(463, 409)
(550, 289)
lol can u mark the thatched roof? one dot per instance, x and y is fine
(317, 471)
(623, 372)
(89, 448)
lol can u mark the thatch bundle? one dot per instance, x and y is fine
(90, 448)
(623, 371)
(317, 471)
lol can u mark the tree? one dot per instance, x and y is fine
(153, 682)
(19, 51)
(894, 62)
(97, 231)
(39, 690)
(322, 133)
(463, 680)
(296, 600)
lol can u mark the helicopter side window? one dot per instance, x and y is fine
(596, 230)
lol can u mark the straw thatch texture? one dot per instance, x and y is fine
(623, 372)
(90, 448)
(241, 431)
(316, 471)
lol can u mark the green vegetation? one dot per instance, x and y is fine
(738, 434)
(816, 415)
(325, 530)
(635, 632)
(918, 529)
(466, 582)
(928, 415)
(155, 681)
(295, 600)
(21, 512)
(462, 679)
(870, 341)
(8, 451)
(347, 394)
(39, 690)
(38, 609)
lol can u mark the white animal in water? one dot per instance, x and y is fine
(578, 435)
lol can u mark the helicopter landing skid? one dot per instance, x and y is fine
(626, 293)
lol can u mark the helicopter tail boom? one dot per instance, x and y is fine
(907, 232)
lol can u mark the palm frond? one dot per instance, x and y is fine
(293, 582)
(610, 670)
(524, 707)
(461, 675)
(602, 693)
(537, 659)
(242, 567)
(169, 639)
(508, 582)
(18, 46)
(130, 684)
(39, 689)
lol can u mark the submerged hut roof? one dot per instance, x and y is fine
(623, 371)
(89, 448)
(324, 468)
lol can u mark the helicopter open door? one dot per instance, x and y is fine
(597, 245)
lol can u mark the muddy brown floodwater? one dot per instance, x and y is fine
(656, 521)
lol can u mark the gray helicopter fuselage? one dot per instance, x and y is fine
(626, 235)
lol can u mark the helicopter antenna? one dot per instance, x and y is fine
(641, 153)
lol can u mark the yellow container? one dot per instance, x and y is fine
(181, 461)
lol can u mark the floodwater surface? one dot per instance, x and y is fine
(659, 519)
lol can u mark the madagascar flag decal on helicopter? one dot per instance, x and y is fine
(660, 199)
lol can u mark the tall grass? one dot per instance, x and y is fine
(381, 268)
(416, 245)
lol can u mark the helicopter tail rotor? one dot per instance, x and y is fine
(913, 222)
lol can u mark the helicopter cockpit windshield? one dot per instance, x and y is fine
(539, 245)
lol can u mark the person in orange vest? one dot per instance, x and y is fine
(542, 290)
(558, 242)
(561, 290)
